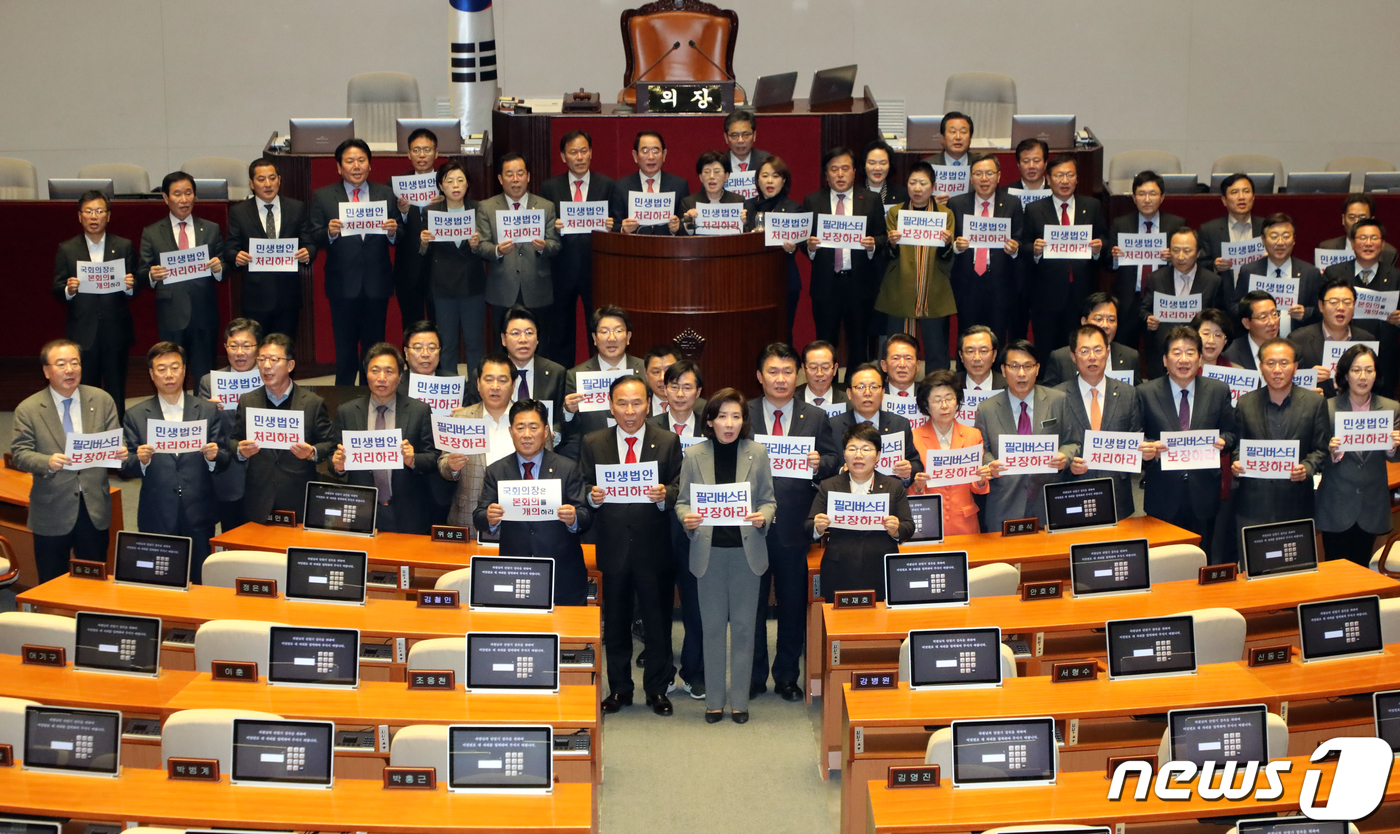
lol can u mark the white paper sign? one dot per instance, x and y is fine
(891, 453)
(1305, 377)
(951, 179)
(420, 189)
(723, 505)
(186, 264)
(950, 467)
(743, 183)
(452, 225)
(173, 437)
(651, 209)
(1242, 252)
(986, 232)
(583, 218)
(273, 428)
(536, 500)
(228, 386)
(441, 393)
(101, 277)
(1112, 451)
(921, 228)
(521, 226)
(595, 386)
(1269, 459)
(459, 435)
(94, 450)
(1028, 195)
(1240, 380)
(1125, 377)
(1371, 304)
(1323, 258)
(834, 409)
(1176, 309)
(719, 218)
(849, 511)
(1142, 250)
(1332, 351)
(780, 227)
(906, 407)
(688, 440)
(1189, 450)
(273, 254)
(1364, 431)
(787, 455)
(373, 449)
(1284, 290)
(366, 218)
(967, 412)
(1027, 454)
(627, 483)
(840, 231)
(1068, 242)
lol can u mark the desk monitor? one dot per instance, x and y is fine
(72, 188)
(832, 85)
(959, 658)
(211, 189)
(520, 663)
(1319, 182)
(1004, 752)
(1218, 734)
(1263, 183)
(519, 583)
(1181, 183)
(1279, 548)
(921, 133)
(14, 826)
(927, 511)
(1374, 181)
(447, 131)
(83, 741)
(319, 135)
(926, 579)
(1387, 710)
(1080, 505)
(340, 508)
(1109, 568)
(774, 90)
(117, 643)
(1151, 647)
(1289, 825)
(1055, 131)
(500, 759)
(1340, 628)
(153, 560)
(313, 656)
(284, 754)
(318, 574)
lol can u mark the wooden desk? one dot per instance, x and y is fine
(1330, 698)
(14, 521)
(148, 797)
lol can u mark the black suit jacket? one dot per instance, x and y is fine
(633, 536)
(1163, 282)
(412, 501)
(91, 316)
(449, 270)
(584, 422)
(1164, 492)
(573, 266)
(174, 482)
(863, 269)
(1209, 237)
(1310, 342)
(1125, 278)
(692, 200)
(1388, 252)
(1120, 413)
(1259, 500)
(999, 264)
(890, 423)
(268, 290)
(275, 478)
(185, 303)
(1385, 279)
(794, 495)
(1060, 366)
(1309, 282)
(864, 547)
(355, 268)
(1051, 288)
(837, 393)
(633, 182)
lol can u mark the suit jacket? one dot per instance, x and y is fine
(1163, 282)
(174, 482)
(1388, 253)
(837, 393)
(866, 548)
(1008, 495)
(185, 303)
(634, 537)
(544, 538)
(1061, 367)
(467, 488)
(356, 267)
(1309, 341)
(89, 315)
(268, 290)
(546, 385)
(621, 201)
(662, 421)
(751, 467)
(863, 269)
(692, 200)
(1355, 489)
(1051, 288)
(229, 481)
(584, 423)
(1386, 279)
(999, 264)
(1260, 500)
(573, 266)
(1309, 282)
(1241, 353)
(523, 274)
(1125, 278)
(1120, 413)
(1159, 406)
(890, 423)
(38, 435)
(794, 495)
(959, 507)
(998, 382)
(1210, 236)
(412, 501)
(449, 270)
(276, 478)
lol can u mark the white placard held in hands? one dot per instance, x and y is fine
(273, 428)
(174, 437)
(722, 505)
(459, 435)
(93, 450)
(743, 183)
(921, 228)
(833, 409)
(373, 449)
(1323, 258)
(273, 254)
(651, 209)
(523, 226)
(840, 231)
(595, 386)
(986, 232)
(420, 189)
(536, 500)
(1270, 459)
(627, 483)
(228, 386)
(906, 407)
(1305, 378)
(1176, 309)
(365, 218)
(1189, 450)
(186, 264)
(1242, 252)
(1142, 250)
(719, 218)
(451, 226)
(1332, 351)
(101, 277)
(1027, 454)
(1240, 380)
(1284, 290)
(1373, 304)
(849, 511)
(1113, 451)
(967, 412)
(1029, 195)
(583, 218)
(1068, 242)
(787, 455)
(951, 179)
(1125, 377)
(891, 453)
(441, 393)
(950, 467)
(781, 227)
(1364, 431)
(688, 440)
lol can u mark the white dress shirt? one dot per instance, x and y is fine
(969, 384)
(810, 396)
(498, 442)
(276, 205)
(75, 413)
(769, 410)
(1240, 229)
(1190, 390)
(692, 424)
(1183, 280)
(528, 371)
(1084, 389)
(1016, 408)
(583, 179)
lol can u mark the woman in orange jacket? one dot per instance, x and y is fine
(940, 397)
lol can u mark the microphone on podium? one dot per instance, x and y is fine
(674, 47)
(720, 68)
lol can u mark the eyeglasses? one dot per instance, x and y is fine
(426, 348)
(1017, 366)
(861, 450)
(1272, 315)
(1091, 351)
(1355, 371)
(271, 361)
(1367, 238)
(985, 175)
(740, 135)
(240, 345)
(94, 212)
(422, 151)
(650, 151)
(1063, 176)
(1340, 303)
(517, 333)
(65, 364)
(684, 389)
(946, 399)
(866, 386)
(611, 331)
(977, 351)
(824, 368)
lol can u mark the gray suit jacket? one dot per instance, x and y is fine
(1120, 413)
(523, 274)
(38, 434)
(699, 468)
(1260, 500)
(1354, 490)
(1007, 498)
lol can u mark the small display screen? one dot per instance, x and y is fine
(927, 511)
(1340, 627)
(1151, 646)
(1387, 706)
(340, 508)
(513, 661)
(289, 752)
(1285, 547)
(1219, 735)
(323, 656)
(501, 758)
(926, 578)
(1010, 751)
(1290, 825)
(74, 740)
(1109, 567)
(955, 657)
(153, 559)
(323, 575)
(116, 643)
(1079, 504)
(512, 582)
(10, 826)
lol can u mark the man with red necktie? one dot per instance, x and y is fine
(573, 266)
(649, 152)
(1058, 285)
(986, 281)
(740, 134)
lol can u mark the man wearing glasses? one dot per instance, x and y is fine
(1098, 403)
(242, 336)
(1278, 264)
(865, 393)
(1371, 272)
(1358, 207)
(1183, 276)
(1100, 309)
(985, 281)
(410, 279)
(1258, 314)
(740, 134)
(1337, 303)
(1058, 285)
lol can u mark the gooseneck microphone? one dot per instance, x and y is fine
(720, 68)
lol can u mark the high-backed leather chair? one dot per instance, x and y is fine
(649, 30)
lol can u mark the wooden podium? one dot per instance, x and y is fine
(719, 299)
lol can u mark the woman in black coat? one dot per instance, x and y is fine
(713, 169)
(456, 276)
(774, 181)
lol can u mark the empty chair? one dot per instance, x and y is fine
(220, 168)
(440, 653)
(232, 640)
(988, 97)
(1359, 166)
(1249, 163)
(1175, 562)
(940, 751)
(20, 628)
(420, 745)
(455, 580)
(1275, 740)
(9, 564)
(126, 179)
(1390, 621)
(19, 180)
(12, 721)
(1128, 164)
(377, 100)
(223, 569)
(1219, 635)
(1008, 661)
(997, 579)
(204, 734)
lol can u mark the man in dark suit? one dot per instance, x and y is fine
(1129, 280)
(1278, 264)
(986, 281)
(1280, 411)
(242, 336)
(820, 367)
(1094, 402)
(1184, 401)
(276, 479)
(740, 134)
(1258, 316)
(1183, 276)
(410, 278)
(634, 544)
(865, 389)
(844, 283)
(655, 363)
(535, 377)
(1100, 310)
(405, 502)
(573, 266)
(556, 538)
(273, 299)
(1239, 223)
(612, 333)
(1337, 304)
(359, 274)
(1057, 286)
(649, 152)
(516, 273)
(1370, 272)
(177, 490)
(1031, 156)
(1358, 207)
(99, 322)
(977, 357)
(956, 129)
(187, 311)
(779, 413)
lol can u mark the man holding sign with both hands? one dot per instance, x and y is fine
(271, 291)
(517, 240)
(1175, 293)
(1094, 402)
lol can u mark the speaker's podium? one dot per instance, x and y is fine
(719, 299)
